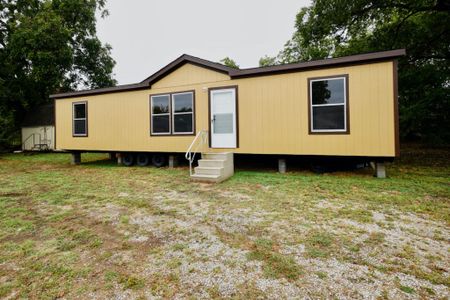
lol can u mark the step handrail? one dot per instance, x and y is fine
(191, 152)
(34, 141)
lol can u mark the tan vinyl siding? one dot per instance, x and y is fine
(272, 110)
(188, 74)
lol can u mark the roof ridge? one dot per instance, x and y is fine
(238, 73)
(362, 57)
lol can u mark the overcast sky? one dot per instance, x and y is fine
(146, 35)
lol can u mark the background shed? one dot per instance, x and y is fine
(38, 129)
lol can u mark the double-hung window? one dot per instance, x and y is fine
(160, 108)
(79, 124)
(172, 114)
(183, 113)
(328, 105)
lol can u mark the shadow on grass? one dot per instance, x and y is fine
(102, 163)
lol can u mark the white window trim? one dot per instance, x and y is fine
(182, 113)
(79, 119)
(162, 114)
(329, 104)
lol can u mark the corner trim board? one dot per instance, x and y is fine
(396, 110)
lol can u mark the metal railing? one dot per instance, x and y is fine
(33, 135)
(200, 140)
(40, 145)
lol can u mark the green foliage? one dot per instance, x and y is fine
(275, 264)
(318, 244)
(47, 47)
(407, 289)
(267, 61)
(343, 27)
(229, 63)
(131, 282)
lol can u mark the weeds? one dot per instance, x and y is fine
(65, 232)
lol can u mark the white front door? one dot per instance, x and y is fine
(223, 118)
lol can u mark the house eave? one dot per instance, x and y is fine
(241, 73)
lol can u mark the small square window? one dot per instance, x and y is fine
(160, 104)
(80, 111)
(328, 91)
(182, 103)
(182, 123)
(161, 124)
(329, 117)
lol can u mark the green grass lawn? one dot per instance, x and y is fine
(99, 230)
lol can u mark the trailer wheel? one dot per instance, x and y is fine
(142, 159)
(158, 160)
(128, 159)
(318, 169)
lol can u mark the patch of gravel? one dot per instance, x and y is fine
(208, 263)
(150, 223)
(378, 217)
(421, 238)
(138, 238)
(193, 251)
(278, 288)
(237, 222)
(122, 258)
(110, 212)
(346, 280)
(327, 204)
(235, 196)
(117, 293)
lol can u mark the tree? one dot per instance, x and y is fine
(267, 61)
(48, 46)
(229, 63)
(333, 28)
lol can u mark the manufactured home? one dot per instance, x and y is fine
(341, 107)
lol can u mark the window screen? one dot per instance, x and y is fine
(328, 99)
(80, 119)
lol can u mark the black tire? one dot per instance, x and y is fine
(142, 159)
(159, 160)
(128, 159)
(318, 169)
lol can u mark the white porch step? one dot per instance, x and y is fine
(211, 163)
(209, 171)
(214, 167)
(207, 178)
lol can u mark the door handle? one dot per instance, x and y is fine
(213, 119)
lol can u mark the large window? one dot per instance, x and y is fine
(172, 114)
(160, 114)
(79, 111)
(183, 113)
(328, 105)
